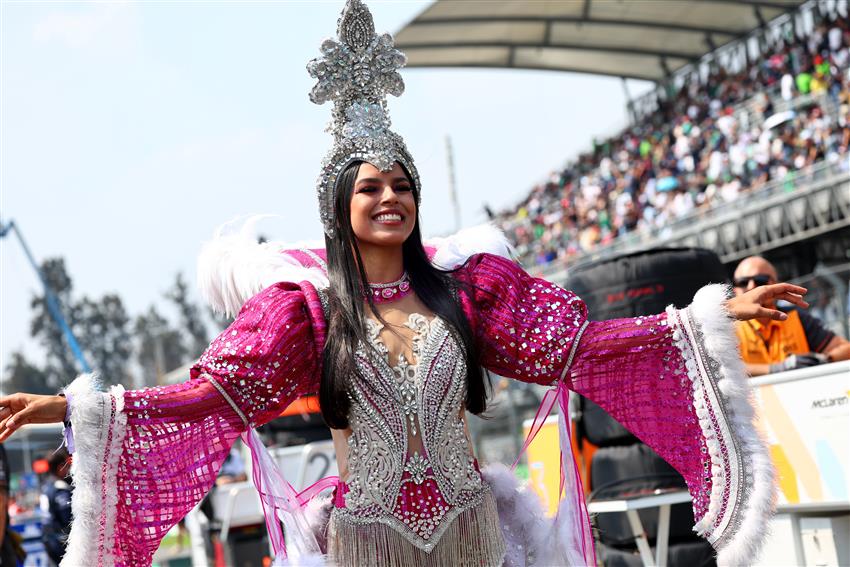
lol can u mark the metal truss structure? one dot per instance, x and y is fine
(760, 226)
(798, 223)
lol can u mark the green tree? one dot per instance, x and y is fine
(100, 326)
(104, 333)
(160, 346)
(60, 364)
(22, 376)
(191, 321)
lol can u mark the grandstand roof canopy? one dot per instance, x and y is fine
(647, 39)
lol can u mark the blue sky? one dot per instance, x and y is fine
(129, 131)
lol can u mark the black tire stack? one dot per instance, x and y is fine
(641, 283)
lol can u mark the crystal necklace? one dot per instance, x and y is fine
(384, 292)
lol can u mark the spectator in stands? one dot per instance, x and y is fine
(55, 504)
(799, 341)
(704, 145)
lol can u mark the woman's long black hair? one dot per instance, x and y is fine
(436, 288)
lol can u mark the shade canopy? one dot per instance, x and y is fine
(638, 39)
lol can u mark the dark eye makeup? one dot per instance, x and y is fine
(373, 188)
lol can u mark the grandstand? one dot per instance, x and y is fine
(742, 149)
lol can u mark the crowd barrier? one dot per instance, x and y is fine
(805, 417)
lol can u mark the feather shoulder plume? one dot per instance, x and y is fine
(233, 267)
(452, 251)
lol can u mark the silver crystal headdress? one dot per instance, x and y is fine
(357, 71)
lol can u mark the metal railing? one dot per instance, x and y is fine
(749, 112)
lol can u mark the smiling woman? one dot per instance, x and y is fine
(378, 240)
(383, 207)
(396, 374)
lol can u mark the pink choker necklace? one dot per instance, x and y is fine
(383, 292)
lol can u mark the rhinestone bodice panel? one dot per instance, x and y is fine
(408, 443)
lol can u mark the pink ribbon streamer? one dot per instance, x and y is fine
(281, 502)
(543, 411)
(569, 473)
(579, 504)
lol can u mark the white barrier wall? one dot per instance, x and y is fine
(805, 416)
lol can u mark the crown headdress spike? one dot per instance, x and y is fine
(356, 72)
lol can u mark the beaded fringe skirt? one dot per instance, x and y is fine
(474, 538)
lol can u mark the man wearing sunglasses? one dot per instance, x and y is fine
(769, 346)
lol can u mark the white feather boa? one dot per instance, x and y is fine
(526, 528)
(721, 343)
(99, 431)
(233, 266)
(452, 251)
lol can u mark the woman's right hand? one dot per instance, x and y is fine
(19, 409)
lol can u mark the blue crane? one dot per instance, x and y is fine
(49, 295)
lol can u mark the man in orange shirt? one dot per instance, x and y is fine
(775, 346)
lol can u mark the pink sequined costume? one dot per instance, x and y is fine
(414, 491)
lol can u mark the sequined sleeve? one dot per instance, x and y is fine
(526, 326)
(677, 382)
(145, 458)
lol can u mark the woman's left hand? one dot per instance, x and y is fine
(752, 305)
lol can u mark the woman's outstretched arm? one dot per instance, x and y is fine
(674, 379)
(144, 458)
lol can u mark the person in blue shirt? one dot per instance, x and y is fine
(56, 505)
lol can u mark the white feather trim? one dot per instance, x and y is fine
(453, 251)
(302, 561)
(98, 438)
(561, 541)
(233, 267)
(525, 527)
(317, 513)
(721, 343)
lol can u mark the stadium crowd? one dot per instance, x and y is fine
(707, 144)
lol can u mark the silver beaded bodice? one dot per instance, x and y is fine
(408, 435)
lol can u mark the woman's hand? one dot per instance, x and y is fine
(754, 303)
(19, 409)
